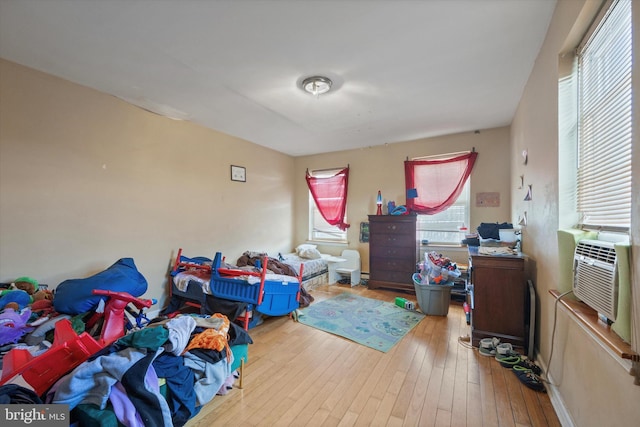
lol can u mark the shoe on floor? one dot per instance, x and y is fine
(528, 364)
(487, 346)
(505, 349)
(508, 361)
(528, 378)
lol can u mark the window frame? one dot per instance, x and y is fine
(316, 233)
(466, 193)
(597, 110)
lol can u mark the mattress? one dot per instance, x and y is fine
(312, 267)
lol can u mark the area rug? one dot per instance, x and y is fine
(370, 322)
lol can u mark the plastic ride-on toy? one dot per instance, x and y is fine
(70, 349)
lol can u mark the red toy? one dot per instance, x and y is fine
(69, 349)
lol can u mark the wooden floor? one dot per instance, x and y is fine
(297, 375)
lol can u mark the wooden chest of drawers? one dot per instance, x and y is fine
(393, 252)
(498, 294)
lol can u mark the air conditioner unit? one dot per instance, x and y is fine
(595, 276)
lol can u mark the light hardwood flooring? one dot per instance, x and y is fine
(297, 376)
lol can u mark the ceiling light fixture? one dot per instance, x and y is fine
(317, 85)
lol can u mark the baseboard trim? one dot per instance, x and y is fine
(555, 397)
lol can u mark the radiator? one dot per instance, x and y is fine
(595, 276)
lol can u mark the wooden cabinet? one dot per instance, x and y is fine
(393, 251)
(498, 294)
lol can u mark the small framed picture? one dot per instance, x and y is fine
(238, 173)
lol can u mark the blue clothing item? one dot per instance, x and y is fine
(145, 393)
(209, 376)
(13, 393)
(181, 395)
(91, 381)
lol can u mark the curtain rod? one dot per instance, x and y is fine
(329, 169)
(473, 150)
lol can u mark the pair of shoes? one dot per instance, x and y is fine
(506, 356)
(529, 378)
(487, 346)
(511, 359)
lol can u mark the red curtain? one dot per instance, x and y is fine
(438, 182)
(330, 195)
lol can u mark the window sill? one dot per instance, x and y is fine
(588, 317)
(328, 242)
(443, 245)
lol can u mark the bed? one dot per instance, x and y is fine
(211, 284)
(315, 270)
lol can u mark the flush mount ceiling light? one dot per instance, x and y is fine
(317, 85)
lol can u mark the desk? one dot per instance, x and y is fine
(333, 262)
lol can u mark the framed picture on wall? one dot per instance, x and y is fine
(238, 173)
(364, 232)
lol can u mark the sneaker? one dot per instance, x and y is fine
(508, 361)
(487, 346)
(528, 378)
(505, 349)
(528, 364)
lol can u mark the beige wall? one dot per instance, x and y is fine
(86, 179)
(591, 384)
(382, 168)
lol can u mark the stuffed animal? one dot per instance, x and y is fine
(13, 325)
(18, 296)
(42, 307)
(43, 294)
(26, 284)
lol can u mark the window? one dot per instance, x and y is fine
(441, 187)
(444, 227)
(595, 143)
(319, 228)
(604, 121)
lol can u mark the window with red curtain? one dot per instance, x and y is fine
(438, 182)
(329, 192)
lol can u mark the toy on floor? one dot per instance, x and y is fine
(26, 284)
(17, 296)
(13, 325)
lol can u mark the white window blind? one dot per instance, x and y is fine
(605, 120)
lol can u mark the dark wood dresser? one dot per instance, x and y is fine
(498, 295)
(393, 251)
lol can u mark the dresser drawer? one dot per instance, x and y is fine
(393, 276)
(406, 265)
(398, 228)
(407, 252)
(395, 240)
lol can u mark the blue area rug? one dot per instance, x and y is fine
(370, 322)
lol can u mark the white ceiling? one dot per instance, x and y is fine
(402, 70)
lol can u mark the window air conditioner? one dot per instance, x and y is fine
(595, 276)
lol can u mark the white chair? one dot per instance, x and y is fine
(350, 267)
